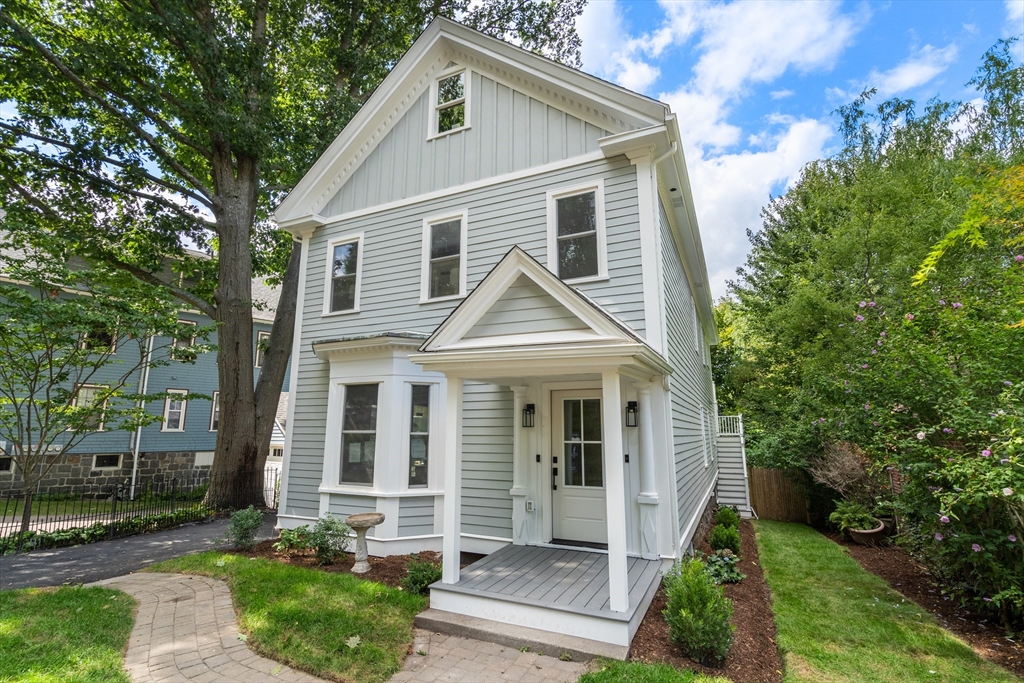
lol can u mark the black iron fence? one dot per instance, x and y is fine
(84, 514)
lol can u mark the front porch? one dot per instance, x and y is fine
(554, 590)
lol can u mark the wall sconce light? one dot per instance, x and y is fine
(528, 412)
(631, 410)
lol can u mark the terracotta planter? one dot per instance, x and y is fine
(868, 536)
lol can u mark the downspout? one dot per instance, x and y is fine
(143, 388)
(671, 150)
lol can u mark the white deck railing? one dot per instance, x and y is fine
(730, 424)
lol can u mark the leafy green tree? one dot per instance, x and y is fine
(143, 128)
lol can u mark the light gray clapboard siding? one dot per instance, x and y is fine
(525, 308)
(508, 131)
(732, 487)
(487, 460)
(416, 516)
(690, 387)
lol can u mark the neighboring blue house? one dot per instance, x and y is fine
(182, 444)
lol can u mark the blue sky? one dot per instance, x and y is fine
(754, 83)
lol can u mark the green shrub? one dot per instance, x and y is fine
(721, 567)
(419, 574)
(698, 612)
(243, 527)
(329, 538)
(293, 540)
(851, 515)
(725, 537)
(727, 517)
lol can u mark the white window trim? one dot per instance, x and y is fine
(109, 467)
(103, 414)
(177, 343)
(432, 133)
(261, 335)
(167, 405)
(356, 237)
(463, 216)
(597, 187)
(213, 410)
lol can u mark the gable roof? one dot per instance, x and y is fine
(609, 106)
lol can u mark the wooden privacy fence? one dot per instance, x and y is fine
(773, 495)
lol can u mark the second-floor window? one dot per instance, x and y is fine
(174, 410)
(344, 262)
(419, 435)
(444, 257)
(359, 434)
(576, 233)
(262, 340)
(88, 396)
(100, 340)
(187, 336)
(215, 412)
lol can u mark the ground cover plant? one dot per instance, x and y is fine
(837, 621)
(333, 625)
(721, 566)
(52, 635)
(613, 671)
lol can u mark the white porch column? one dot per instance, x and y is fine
(648, 497)
(519, 490)
(451, 542)
(615, 491)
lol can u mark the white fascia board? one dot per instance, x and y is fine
(381, 345)
(593, 355)
(651, 140)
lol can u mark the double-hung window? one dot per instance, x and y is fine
(444, 257)
(215, 412)
(186, 336)
(262, 340)
(99, 340)
(344, 270)
(576, 233)
(359, 434)
(88, 396)
(419, 435)
(451, 99)
(174, 410)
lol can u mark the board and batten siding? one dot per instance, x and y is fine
(525, 308)
(508, 131)
(690, 388)
(487, 424)
(416, 516)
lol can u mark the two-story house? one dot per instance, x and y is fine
(181, 444)
(503, 335)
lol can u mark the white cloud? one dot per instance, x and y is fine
(1015, 15)
(609, 52)
(781, 94)
(918, 69)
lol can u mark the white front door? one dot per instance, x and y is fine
(577, 462)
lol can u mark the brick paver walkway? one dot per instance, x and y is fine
(186, 630)
(449, 658)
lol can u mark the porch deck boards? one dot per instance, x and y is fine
(566, 579)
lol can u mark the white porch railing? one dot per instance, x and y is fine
(730, 424)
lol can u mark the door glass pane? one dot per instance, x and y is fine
(573, 463)
(592, 467)
(573, 421)
(360, 407)
(444, 239)
(357, 451)
(577, 257)
(444, 277)
(591, 419)
(577, 214)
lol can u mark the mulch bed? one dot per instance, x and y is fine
(387, 570)
(754, 656)
(913, 580)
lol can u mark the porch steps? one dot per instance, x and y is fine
(510, 635)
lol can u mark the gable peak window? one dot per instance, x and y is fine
(444, 257)
(344, 263)
(576, 233)
(451, 95)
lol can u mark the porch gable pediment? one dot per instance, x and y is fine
(521, 303)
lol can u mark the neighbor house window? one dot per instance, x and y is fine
(215, 412)
(451, 97)
(576, 233)
(110, 461)
(419, 435)
(185, 339)
(100, 340)
(276, 452)
(444, 257)
(262, 340)
(358, 434)
(87, 395)
(344, 266)
(6, 463)
(174, 410)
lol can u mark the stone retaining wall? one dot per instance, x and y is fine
(76, 470)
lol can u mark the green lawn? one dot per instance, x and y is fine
(331, 625)
(64, 634)
(611, 671)
(838, 622)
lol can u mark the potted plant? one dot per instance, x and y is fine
(855, 520)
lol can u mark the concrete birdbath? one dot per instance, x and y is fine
(360, 524)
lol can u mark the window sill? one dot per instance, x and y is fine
(435, 136)
(442, 299)
(585, 280)
(356, 490)
(331, 314)
(172, 431)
